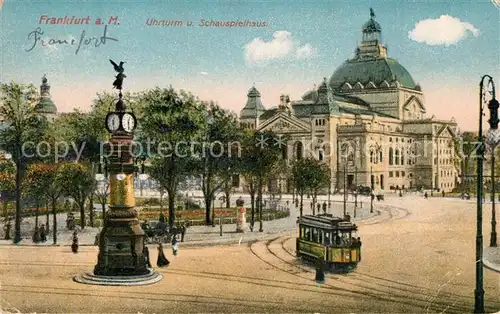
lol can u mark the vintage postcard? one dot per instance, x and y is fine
(249, 156)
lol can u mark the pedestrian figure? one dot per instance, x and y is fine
(36, 235)
(324, 207)
(426, 195)
(442, 193)
(146, 255)
(320, 271)
(74, 245)
(183, 231)
(43, 235)
(175, 246)
(162, 259)
(319, 208)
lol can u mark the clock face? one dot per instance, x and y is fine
(112, 122)
(128, 122)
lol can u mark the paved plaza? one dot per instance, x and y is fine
(417, 256)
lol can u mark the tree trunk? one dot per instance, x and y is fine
(5, 211)
(161, 200)
(103, 212)
(228, 198)
(171, 209)
(259, 206)
(301, 203)
(36, 214)
(47, 224)
(82, 214)
(208, 207)
(91, 207)
(54, 215)
(252, 205)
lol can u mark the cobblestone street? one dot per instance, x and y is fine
(418, 256)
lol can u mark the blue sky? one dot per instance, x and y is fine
(212, 62)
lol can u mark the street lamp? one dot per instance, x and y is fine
(493, 121)
(372, 193)
(493, 139)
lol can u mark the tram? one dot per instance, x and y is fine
(331, 239)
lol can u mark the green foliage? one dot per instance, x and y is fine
(173, 120)
(310, 175)
(7, 178)
(76, 182)
(22, 123)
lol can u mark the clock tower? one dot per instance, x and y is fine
(123, 257)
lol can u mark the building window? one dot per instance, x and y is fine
(391, 157)
(390, 174)
(390, 139)
(371, 156)
(397, 157)
(299, 150)
(380, 156)
(397, 174)
(402, 158)
(403, 174)
(320, 155)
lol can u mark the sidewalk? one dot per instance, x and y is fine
(491, 258)
(203, 235)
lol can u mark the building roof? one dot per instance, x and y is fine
(254, 106)
(371, 70)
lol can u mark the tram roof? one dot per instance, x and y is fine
(327, 222)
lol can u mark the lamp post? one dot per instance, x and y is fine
(355, 189)
(372, 194)
(493, 238)
(345, 189)
(493, 121)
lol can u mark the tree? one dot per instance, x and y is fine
(299, 181)
(318, 178)
(102, 194)
(18, 112)
(7, 185)
(174, 120)
(218, 155)
(260, 156)
(42, 180)
(76, 182)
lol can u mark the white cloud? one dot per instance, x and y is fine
(204, 73)
(281, 47)
(446, 30)
(306, 51)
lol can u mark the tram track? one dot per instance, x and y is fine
(395, 293)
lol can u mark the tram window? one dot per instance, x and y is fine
(314, 235)
(302, 232)
(308, 234)
(327, 238)
(320, 236)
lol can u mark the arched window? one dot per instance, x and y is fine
(284, 152)
(397, 157)
(391, 156)
(402, 157)
(371, 156)
(380, 156)
(299, 150)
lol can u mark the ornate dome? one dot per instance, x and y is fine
(371, 70)
(371, 26)
(46, 105)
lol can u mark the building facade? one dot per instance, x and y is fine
(367, 121)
